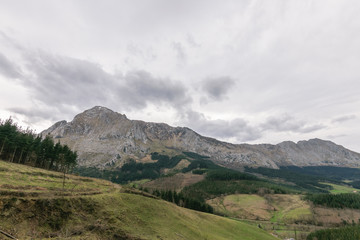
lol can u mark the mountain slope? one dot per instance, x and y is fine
(105, 138)
(33, 205)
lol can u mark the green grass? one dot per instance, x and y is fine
(138, 183)
(153, 218)
(21, 180)
(245, 199)
(341, 188)
(107, 213)
(298, 213)
(280, 214)
(278, 208)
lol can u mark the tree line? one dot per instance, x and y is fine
(343, 200)
(344, 233)
(304, 181)
(208, 189)
(23, 146)
(132, 170)
(329, 172)
(219, 182)
(229, 175)
(183, 201)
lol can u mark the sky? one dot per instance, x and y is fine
(249, 71)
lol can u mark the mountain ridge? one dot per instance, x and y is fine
(103, 138)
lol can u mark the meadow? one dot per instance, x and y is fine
(36, 204)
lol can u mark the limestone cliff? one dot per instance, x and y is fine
(106, 138)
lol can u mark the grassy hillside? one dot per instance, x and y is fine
(282, 214)
(35, 205)
(279, 208)
(23, 181)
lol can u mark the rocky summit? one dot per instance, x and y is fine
(104, 138)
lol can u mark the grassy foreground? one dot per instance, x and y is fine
(23, 181)
(34, 205)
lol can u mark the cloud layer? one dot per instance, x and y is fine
(287, 123)
(254, 71)
(7, 68)
(60, 82)
(237, 129)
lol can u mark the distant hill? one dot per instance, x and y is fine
(103, 137)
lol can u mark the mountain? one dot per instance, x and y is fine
(103, 137)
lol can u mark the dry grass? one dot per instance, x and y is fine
(18, 180)
(181, 165)
(146, 159)
(176, 182)
(335, 217)
(242, 206)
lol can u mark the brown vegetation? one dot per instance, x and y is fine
(331, 217)
(176, 182)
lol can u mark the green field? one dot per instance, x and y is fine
(341, 188)
(277, 208)
(35, 205)
(276, 213)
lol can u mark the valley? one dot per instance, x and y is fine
(288, 214)
(167, 191)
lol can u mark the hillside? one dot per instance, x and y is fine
(103, 138)
(34, 204)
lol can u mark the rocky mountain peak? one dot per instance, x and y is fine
(99, 113)
(98, 110)
(103, 137)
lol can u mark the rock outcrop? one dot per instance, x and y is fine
(106, 138)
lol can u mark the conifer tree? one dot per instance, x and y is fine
(23, 146)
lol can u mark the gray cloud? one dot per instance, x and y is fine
(146, 55)
(217, 88)
(141, 88)
(62, 80)
(336, 136)
(344, 118)
(191, 41)
(36, 114)
(180, 52)
(8, 68)
(62, 83)
(286, 123)
(238, 128)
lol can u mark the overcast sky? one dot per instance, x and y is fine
(255, 71)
